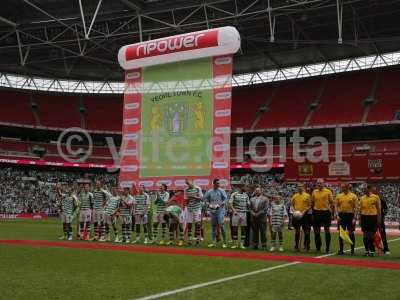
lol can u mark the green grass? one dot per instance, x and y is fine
(60, 273)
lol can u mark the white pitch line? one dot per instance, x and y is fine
(225, 279)
(200, 285)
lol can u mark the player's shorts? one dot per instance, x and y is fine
(277, 227)
(158, 218)
(85, 215)
(239, 219)
(346, 221)
(369, 223)
(304, 222)
(66, 218)
(193, 216)
(217, 216)
(140, 219)
(126, 219)
(98, 216)
(322, 218)
(109, 219)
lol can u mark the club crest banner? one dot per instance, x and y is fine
(177, 109)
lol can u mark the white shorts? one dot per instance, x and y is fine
(193, 216)
(140, 219)
(85, 215)
(239, 219)
(277, 227)
(66, 218)
(110, 219)
(158, 218)
(126, 219)
(98, 216)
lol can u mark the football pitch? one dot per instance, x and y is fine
(80, 270)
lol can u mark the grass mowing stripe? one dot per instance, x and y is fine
(201, 285)
(230, 278)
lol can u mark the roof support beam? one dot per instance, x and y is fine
(83, 17)
(8, 22)
(94, 18)
(339, 10)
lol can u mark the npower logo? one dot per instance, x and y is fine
(173, 44)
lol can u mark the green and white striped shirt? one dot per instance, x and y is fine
(99, 198)
(126, 204)
(142, 203)
(112, 205)
(240, 202)
(193, 204)
(68, 204)
(86, 200)
(161, 202)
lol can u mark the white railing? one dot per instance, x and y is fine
(105, 87)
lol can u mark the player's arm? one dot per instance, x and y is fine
(106, 193)
(91, 200)
(206, 198)
(312, 198)
(336, 204)
(230, 203)
(224, 196)
(292, 200)
(76, 203)
(332, 203)
(378, 208)
(147, 204)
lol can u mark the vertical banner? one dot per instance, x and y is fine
(177, 109)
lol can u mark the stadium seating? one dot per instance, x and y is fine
(286, 104)
(16, 108)
(58, 111)
(387, 98)
(296, 95)
(103, 113)
(342, 99)
(246, 102)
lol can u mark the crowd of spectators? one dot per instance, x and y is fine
(33, 190)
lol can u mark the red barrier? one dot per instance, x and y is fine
(39, 216)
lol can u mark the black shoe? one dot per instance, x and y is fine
(340, 252)
(352, 252)
(255, 248)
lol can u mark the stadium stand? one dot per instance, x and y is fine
(387, 99)
(247, 101)
(255, 107)
(297, 95)
(16, 108)
(58, 111)
(103, 113)
(344, 94)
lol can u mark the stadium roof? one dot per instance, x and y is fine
(80, 39)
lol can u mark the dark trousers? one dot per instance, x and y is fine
(247, 240)
(259, 233)
(382, 230)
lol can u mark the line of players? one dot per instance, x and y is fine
(100, 209)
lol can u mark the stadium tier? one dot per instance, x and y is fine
(387, 98)
(358, 97)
